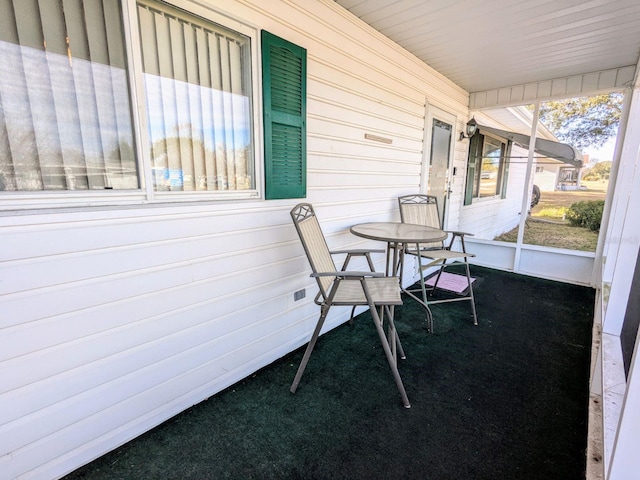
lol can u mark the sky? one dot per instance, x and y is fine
(602, 154)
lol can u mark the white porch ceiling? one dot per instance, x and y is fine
(489, 44)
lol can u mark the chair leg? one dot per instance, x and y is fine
(473, 302)
(444, 264)
(390, 314)
(425, 298)
(353, 311)
(307, 353)
(399, 344)
(389, 354)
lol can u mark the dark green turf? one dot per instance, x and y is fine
(506, 399)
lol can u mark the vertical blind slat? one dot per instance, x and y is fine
(19, 145)
(206, 100)
(153, 89)
(195, 106)
(121, 157)
(183, 121)
(84, 88)
(218, 111)
(99, 55)
(238, 101)
(168, 101)
(47, 161)
(227, 112)
(66, 107)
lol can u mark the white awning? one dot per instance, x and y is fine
(547, 148)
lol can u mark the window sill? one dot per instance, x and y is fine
(475, 201)
(38, 203)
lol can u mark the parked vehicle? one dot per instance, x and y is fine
(535, 196)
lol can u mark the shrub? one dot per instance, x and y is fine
(587, 214)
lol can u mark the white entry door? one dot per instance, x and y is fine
(439, 142)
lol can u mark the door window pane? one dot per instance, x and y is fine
(439, 163)
(197, 78)
(65, 114)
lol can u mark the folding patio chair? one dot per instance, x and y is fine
(423, 210)
(347, 288)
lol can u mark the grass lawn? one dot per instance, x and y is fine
(547, 226)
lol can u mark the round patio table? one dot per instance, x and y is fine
(397, 235)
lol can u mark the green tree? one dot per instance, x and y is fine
(600, 171)
(583, 121)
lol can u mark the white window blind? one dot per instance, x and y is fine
(197, 80)
(65, 115)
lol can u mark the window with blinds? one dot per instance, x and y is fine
(73, 70)
(197, 81)
(488, 168)
(65, 112)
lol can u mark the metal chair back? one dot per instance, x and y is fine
(421, 210)
(315, 245)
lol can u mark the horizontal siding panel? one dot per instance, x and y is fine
(370, 149)
(365, 122)
(153, 363)
(383, 140)
(60, 270)
(401, 122)
(49, 235)
(128, 411)
(373, 193)
(354, 166)
(77, 296)
(369, 106)
(386, 193)
(329, 75)
(329, 179)
(237, 285)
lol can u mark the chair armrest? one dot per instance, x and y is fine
(455, 234)
(360, 251)
(348, 274)
(459, 234)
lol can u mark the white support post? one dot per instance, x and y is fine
(526, 194)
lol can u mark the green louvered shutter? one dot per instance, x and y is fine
(284, 75)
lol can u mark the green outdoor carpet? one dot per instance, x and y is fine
(506, 399)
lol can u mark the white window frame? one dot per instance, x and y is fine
(501, 174)
(14, 201)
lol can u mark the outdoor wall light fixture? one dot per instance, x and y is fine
(472, 127)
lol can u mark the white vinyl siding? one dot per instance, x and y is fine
(115, 319)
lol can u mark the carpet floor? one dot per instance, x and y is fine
(506, 399)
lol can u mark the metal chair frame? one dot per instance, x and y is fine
(423, 210)
(348, 288)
